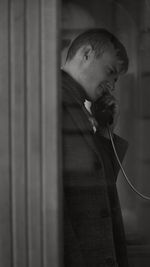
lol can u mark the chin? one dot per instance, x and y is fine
(96, 98)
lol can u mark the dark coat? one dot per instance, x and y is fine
(93, 228)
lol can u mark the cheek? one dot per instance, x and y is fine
(99, 78)
(96, 76)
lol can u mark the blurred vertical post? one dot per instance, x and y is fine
(50, 133)
(5, 216)
(30, 105)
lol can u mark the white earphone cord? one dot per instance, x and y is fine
(121, 167)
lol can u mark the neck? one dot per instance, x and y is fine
(76, 72)
(71, 70)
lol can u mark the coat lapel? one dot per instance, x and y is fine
(84, 125)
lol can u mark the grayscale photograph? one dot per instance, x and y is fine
(74, 133)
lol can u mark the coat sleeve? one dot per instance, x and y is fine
(121, 146)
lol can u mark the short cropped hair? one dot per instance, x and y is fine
(99, 39)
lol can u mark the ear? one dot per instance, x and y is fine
(87, 52)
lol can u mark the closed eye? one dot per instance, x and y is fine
(111, 71)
